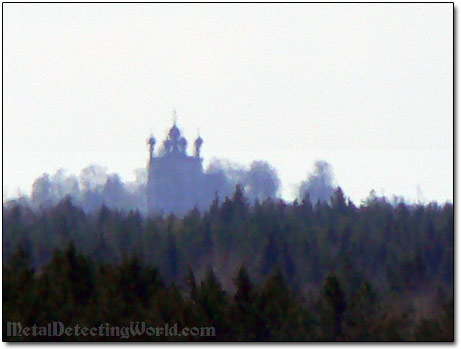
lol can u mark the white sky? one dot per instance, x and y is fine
(367, 87)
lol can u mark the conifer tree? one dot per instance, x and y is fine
(336, 303)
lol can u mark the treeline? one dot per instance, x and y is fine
(95, 187)
(74, 290)
(401, 254)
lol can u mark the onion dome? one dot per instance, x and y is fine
(174, 132)
(183, 143)
(198, 144)
(199, 141)
(151, 140)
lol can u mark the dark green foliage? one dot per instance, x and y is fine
(362, 316)
(439, 327)
(72, 289)
(325, 271)
(244, 312)
(335, 301)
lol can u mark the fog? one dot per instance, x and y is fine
(95, 186)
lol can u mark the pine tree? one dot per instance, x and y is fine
(245, 315)
(336, 304)
(213, 301)
(270, 256)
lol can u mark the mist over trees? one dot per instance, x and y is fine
(319, 184)
(95, 187)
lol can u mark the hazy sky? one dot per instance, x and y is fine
(367, 87)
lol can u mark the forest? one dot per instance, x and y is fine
(255, 271)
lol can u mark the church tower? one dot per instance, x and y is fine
(175, 179)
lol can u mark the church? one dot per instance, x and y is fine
(176, 180)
